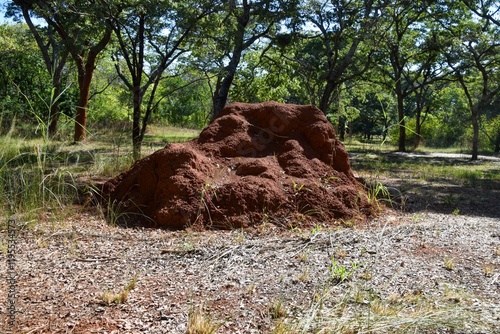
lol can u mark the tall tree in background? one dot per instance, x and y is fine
(23, 78)
(474, 57)
(490, 11)
(53, 52)
(85, 29)
(240, 24)
(151, 37)
(486, 9)
(402, 19)
(340, 27)
(425, 68)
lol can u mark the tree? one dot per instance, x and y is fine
(490, 125)
(486, 9)
(403, 20)
(340, 27)
(23, 77)
(186, 101)
(54, 56)
(238, 25)
(474, 57)
(305, 62)
(151, 38)
(266, 77)
(85, 28)
(377, 109)
(425, 69)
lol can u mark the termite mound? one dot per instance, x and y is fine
(268, 162)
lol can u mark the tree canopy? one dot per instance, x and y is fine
(392, 69)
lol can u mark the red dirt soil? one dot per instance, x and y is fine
(253, 164)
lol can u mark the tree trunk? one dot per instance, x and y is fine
(334, 79)
(497, 142)
(326, 96)
(475, 136)
(220, 99)
(84, 80)
(85, 74)
(54, 66)
(342, 127)
(401, 118)
(136, 122)
(418, 128)
(222, 93)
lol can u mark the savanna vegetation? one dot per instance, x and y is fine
(87, 87)
(409, 73)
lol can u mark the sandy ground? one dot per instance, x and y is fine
(446, 265)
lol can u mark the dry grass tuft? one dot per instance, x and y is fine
(199, 323)
(121, 297)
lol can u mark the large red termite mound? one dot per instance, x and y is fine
(254, 163)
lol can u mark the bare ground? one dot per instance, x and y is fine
(427, 270)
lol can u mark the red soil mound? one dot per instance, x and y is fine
(254, 163)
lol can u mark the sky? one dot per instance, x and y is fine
(3, 4)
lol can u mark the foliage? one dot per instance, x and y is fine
(23, 78)
(185, 103)
(419, 73)
(28, 186)
(339, 273)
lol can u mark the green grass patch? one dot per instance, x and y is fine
(32, 184)
(457, 170)
(42, 177)
(158, 134)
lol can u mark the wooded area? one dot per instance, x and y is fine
(411, 72)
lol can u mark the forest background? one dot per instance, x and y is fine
(410, 73)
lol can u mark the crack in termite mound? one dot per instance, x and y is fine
(253, 163)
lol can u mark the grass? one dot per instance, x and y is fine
(449, 263)
(393, 179)
(340, 273)
(157, 136)
(121, 297)
(40, 178)
(424, 168)
(354, 309)
(32, 182)
(277, 310)
(200, 323)
(36, 174)
(43, 178)
(378, 193)
(488, 269)
(377, 145)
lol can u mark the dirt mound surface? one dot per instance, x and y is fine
(254, 163)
